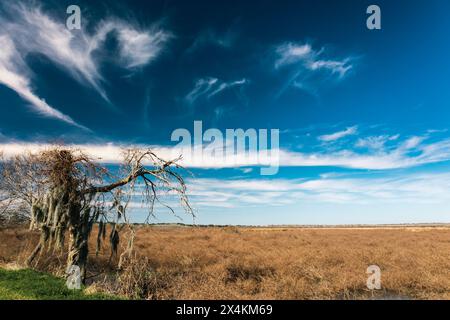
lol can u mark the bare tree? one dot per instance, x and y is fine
(67, 193)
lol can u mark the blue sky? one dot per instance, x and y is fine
(363, 115)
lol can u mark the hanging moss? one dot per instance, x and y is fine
(67, 196)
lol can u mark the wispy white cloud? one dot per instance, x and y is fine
(412, 143)
(339, 135)
(336, 67)
(247, 170)
(137, 48)
(393, 187)
(210, 87)
(210, 37)
(437, 130)
(306, 64)
(419, 188)
(201, 87)
(227, 85)
(15, 75)
(291, 53)
(36, 32)
(404, 154)
(375, 142)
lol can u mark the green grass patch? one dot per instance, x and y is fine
(28, 284)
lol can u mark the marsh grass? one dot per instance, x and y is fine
(268, 263)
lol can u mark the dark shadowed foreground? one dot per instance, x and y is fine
(265, 263)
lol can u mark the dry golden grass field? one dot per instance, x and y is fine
(268, 263)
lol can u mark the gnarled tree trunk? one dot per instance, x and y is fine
(79, 230)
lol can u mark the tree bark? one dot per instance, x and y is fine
(78, 242)
(34, 254)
